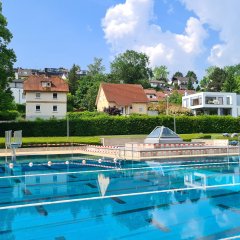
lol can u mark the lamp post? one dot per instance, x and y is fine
(167, 96)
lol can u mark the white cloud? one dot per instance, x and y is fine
(128, 26)
(223, 17)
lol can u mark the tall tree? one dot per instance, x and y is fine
(204, 83)
(73, 78)
(160, 73)
(216, 80)
(178, 74)
(88, 86)
(231, 84)
(191, 74)
(96, 67)
(190, 84)
(131, 67)
(7, 59)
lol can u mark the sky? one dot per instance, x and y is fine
(181, 34)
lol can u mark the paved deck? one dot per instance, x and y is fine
(76, 150)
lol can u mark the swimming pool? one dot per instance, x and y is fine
(81, 197)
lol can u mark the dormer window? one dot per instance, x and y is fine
(46, 84)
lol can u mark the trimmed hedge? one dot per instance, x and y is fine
(119, 125)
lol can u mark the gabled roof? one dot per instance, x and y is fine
(34, 83)
(150, 91)
(124, 94)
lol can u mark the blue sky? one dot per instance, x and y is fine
(181, 34)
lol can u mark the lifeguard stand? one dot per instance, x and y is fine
(13, 142)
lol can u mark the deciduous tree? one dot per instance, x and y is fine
(7, 59)
(73, 78)
(160, 73)
(131, 67)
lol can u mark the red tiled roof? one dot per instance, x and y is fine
(124, 94)
(34, 83)
(150, 91)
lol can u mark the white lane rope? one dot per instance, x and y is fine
(117, 196)
(179, 167)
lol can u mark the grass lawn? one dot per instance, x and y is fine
(96, 139)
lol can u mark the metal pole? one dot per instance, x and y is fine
(67, 127)
(174, 121)
(167, 104)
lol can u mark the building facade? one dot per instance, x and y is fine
(129, 98)
(46, 97)
(213, 103)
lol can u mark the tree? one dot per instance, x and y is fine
(7, 59)
(198, 89)
(204, 83)
(178, 74)
(191, 74)
(231, 84)
(190, 84)
(160, 73)
(73, 79)
(96, 67)
(88, 85)
(175, 98)
(216, 80)
(131, 67)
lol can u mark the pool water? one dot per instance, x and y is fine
(82, 197)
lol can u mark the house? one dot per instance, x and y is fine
(156, 96)
(151, 95)
(158, 83)
(213, 103)
(16, 86)
(46, 97)
(182, 82)
(129, 98)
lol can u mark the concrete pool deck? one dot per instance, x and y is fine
(128, 154)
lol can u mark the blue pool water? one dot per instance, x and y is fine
(79, 197)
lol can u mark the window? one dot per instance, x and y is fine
(38, 108)
(140, 109)
(54, 108)
(38, 95)
(229, 100)
(54, 95)
(130, 107)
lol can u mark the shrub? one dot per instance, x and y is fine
(84, 114)
(9, 115)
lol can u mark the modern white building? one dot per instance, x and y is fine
(213, 103)
(46, 97)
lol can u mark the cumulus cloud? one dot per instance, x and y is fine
(221, 16)
(129, 26)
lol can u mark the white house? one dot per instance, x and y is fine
(213, 103)
(46, 97)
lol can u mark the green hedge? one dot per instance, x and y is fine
(9, 115)
(109, 125)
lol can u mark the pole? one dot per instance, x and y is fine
(67, 127)
(174, 122)
(167, 104)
